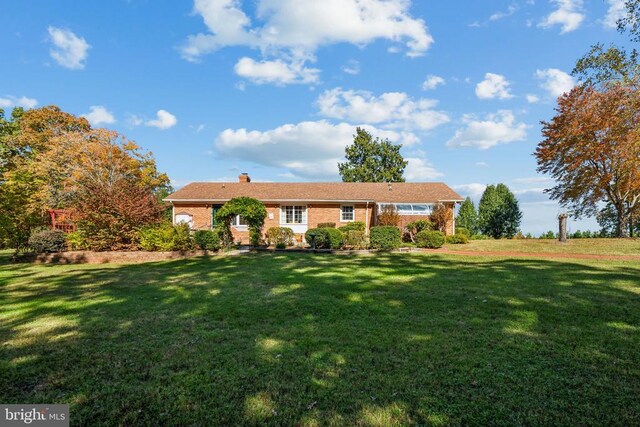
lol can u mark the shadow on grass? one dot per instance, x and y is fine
(294, 339)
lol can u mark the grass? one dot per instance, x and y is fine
(300, 339)
(572, 246)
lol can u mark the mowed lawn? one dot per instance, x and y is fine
(301, 339)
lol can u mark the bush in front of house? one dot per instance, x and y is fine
(385, 237)
(355, 239)
(282, 236)
(47, 241)
(430, 239)
(166, 237)
(207, 240)
(388, 216)
(353, 226)
(327, 225)
(326, 238)
(415, 227)
(457, 239)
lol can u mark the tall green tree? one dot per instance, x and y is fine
(372, 160)
(499, 212)
(468, 216)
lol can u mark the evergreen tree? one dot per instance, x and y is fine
(372, 160)
(499, 212)
(468, 216)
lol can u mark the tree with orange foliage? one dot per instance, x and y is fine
(592, 149)
(108, 183)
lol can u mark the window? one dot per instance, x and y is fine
(409, 209)
(184, 217)
(239, 221)
(293, 214)
(347, 214)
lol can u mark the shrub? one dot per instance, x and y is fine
(388, 216)
(47, 241)
(385, 237)
(281, 246)
(462, 230)
(207, 240)
(457, 239)
(326, 238)
(353, 226)
(415, 227)
(431, 239)
(166, 237)
(76, 241)
(355, 239)
(327, 225)
(280, 236)
(440, 217)
(252, 210)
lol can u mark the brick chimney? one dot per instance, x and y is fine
(244, 177)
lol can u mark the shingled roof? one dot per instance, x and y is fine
(423, 192)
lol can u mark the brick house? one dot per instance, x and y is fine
(303, 205)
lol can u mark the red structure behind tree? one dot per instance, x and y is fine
(62, 219)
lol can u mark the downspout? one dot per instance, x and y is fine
(173, 214)
(366, 216)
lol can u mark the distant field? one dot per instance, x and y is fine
(576, 246)
(308, 340)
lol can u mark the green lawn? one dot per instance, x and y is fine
(572, 246)
(301, 339)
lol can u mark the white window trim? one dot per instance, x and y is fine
(238, 227)
(432, 205)
(175, 219)
(283, 217)
(354, 213)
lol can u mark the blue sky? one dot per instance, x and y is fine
(276, 88)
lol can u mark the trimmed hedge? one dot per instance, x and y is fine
(385, 237)
(327, 225)
(430, 239)
(352, 226)
(326, 238)
(280, 236)
(207, 240)
(355, 239)
(457, 239)
(47, 241)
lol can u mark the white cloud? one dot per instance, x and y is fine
(277, 72)
(352, 67)
(419, 169)
(498, 128)
(568, 14)
(493, 86)
(532, 99)
(98, 115)
(309, 149)
(391, 110)
(164, 120)
(501, 15)
(432, 82)
(289, 32)
(554, 81)
(69, 51)
(13, 101)
(473, 190)
(615, 12)
(306, 25)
